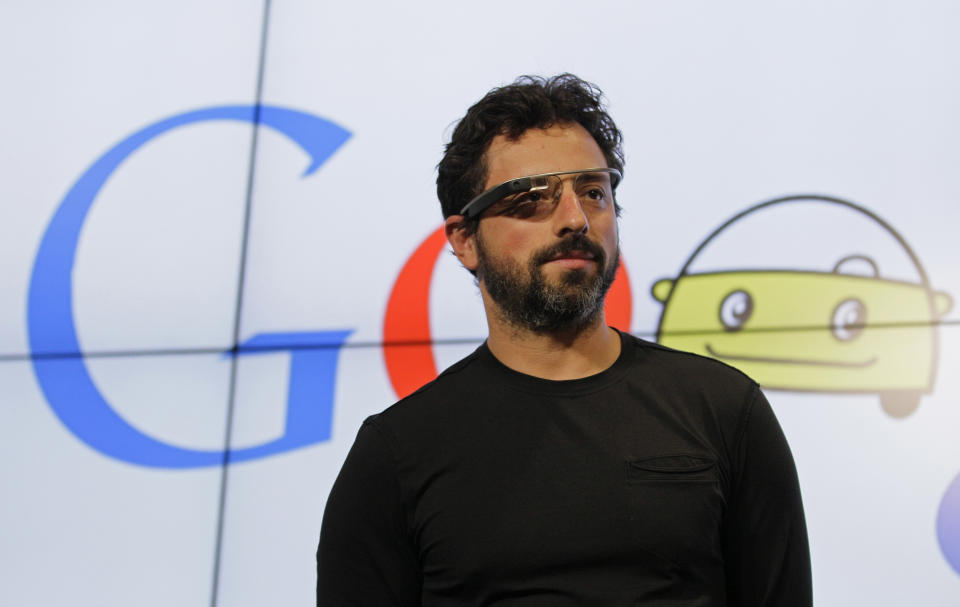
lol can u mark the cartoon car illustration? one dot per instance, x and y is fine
(843, 327)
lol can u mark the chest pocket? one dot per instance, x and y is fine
(669, 468)
(675, 507)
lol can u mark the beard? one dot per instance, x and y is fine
(529, 301)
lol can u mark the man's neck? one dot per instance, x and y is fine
(557, 355)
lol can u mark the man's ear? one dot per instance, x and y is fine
(464, 243)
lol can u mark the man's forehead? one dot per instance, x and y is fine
(565, 147)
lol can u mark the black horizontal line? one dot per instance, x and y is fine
(201, 350)
(207, 350)
(915, 324)
(791, 361)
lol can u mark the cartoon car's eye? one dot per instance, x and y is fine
(849, 318)
(735, 310)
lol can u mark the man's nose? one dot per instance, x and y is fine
(568, 215)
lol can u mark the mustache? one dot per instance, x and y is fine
(575, 242)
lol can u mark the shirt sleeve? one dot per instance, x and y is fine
(765, 534)
(366, 556)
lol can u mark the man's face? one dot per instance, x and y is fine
(547, 273)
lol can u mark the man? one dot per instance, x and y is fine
(563, 462)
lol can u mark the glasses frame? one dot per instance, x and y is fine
(484, 200)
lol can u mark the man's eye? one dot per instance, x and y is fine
(524, 205)
(593, 195)
(528, 198)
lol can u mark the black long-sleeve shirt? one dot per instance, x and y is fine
(663, 480)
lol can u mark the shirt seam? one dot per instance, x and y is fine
(393, 448)
(742, 429)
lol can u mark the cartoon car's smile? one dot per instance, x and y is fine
(789, 361)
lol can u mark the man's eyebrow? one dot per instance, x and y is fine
(597, 176)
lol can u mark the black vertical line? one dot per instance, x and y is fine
(231, 395)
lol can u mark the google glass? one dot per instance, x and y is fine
(546, 188)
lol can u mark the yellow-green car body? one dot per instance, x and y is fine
(810, 331)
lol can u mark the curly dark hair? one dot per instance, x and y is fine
(529, 102)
